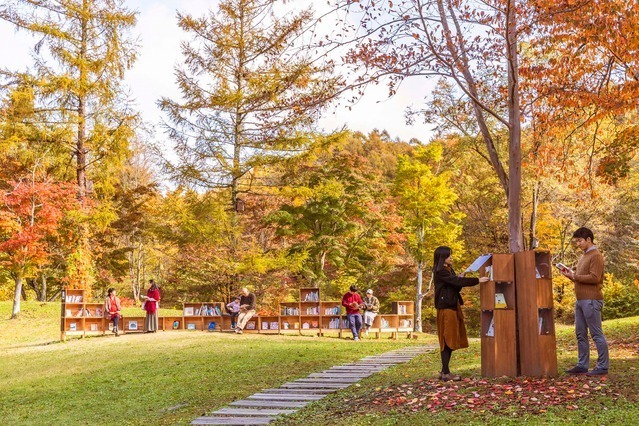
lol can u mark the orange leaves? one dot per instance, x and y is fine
(524, 395)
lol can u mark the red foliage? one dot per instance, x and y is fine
(29, 216)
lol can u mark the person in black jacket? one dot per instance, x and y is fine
(451, 329)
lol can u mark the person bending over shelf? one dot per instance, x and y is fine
(451, 328)
(233, 309)
(371, 308)
(112, 309)
(352, 301)
(247, 309)
(151, 307)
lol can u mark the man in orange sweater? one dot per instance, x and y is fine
(588, 279)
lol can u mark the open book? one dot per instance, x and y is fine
(563, 268)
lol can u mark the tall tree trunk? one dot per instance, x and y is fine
(16, 297)
(514, 120)
(532, 235)
(43, 288)
(81, 157)
(418, 299)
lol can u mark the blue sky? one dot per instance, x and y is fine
(152, 75)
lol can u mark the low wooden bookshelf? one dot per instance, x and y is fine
(405, 310)
(79, 317)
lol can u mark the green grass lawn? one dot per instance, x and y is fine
(175, 376)
(164, 378)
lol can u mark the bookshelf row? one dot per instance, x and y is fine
(309, 314)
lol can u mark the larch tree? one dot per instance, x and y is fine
(80, 61)
(249, 89)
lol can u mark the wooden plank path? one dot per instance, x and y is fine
(263, 407)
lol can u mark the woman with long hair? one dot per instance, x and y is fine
(451, 329)
(151, 308)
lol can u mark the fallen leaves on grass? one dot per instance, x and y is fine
(528, 395)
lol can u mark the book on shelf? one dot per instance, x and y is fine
(188, 311)
(541, 324)
(491, 328)
(500, 301)
(73, 298)
(274, 325)
(314, 324)
(285, 325)
(265, 325)
(290, 311)
(67, 313)
(489, 272)
(73, 326)
(94, 326)
(212, 325)
(98, 312)
(250, 325)
(133, 325)
(190, 326)
(401, 309)
(312, 297)
(296, 326)
(176, 324)
(305, 326)
(385, 323)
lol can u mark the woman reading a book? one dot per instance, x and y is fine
(112, 309)
(451, 329)
(151, 308)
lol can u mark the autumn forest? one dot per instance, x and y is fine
(534, 117)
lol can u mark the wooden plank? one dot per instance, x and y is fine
(285, 397)
(238, 421)
(335, 386)
(302, 390)
(329, 375)
(269, 404)
(252, 412)
(328, 380)
(357, 367)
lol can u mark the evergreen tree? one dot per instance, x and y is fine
(249, 90)
(80, 61)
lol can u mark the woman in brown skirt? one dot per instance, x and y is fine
(451, 329)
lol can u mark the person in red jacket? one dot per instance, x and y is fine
(112, 309)
(151, 308)
(353, 302)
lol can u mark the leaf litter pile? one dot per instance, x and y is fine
(527, 395)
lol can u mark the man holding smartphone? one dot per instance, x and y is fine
(588, 279)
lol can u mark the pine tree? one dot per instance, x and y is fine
(249, 90)
(80, 61)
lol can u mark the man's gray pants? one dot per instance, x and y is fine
(588, 317)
